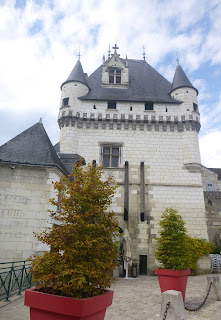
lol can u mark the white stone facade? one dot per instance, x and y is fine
(164, 139)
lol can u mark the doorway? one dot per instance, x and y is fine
(143, 264)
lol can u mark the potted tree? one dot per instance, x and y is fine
(73, 275)
(177, 252)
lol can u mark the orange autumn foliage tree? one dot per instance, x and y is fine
(82, 239)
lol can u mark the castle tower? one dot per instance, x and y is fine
(74, 87)
(144, 131)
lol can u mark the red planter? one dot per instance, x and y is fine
(51, 307)
(173, 280)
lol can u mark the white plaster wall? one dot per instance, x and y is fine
(24, 202)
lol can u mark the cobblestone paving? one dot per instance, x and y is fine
(137, 299)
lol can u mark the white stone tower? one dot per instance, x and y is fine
(144, 130)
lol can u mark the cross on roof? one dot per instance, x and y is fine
(115, 48)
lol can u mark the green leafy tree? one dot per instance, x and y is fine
(172, 245)
(174, 248)
(83, 243)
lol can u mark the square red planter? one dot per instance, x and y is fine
(173, 280)
(45, 306)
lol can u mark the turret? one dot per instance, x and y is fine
(74, 87)
(183, 90)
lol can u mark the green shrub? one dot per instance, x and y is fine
(83, 248)
(174, 248)
(198, 248)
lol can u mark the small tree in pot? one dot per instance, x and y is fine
(83, 248)
(177, 252)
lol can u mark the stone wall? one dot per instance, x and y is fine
(24, 203)
(210, 180)
(165, 140)
(213, 215)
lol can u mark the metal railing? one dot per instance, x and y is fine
(14, 278)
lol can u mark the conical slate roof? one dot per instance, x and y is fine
(33, 147)
(77, 74)
(180, 80)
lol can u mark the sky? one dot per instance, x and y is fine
(40, 41)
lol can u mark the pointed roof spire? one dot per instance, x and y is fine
(177, 59)
(77, 74)
(144, 54)
(79, 54)
(180, 79)
(109, 52)
(126, 61)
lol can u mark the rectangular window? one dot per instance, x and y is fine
(110, 156)
(111, 105)
(65, 102)
(118, 76)
(111, 76)
(209, 186)
(148, 106)
(114, 76)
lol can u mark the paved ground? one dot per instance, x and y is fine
(136, 299)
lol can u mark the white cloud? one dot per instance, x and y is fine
(210, 148)
(33, 66)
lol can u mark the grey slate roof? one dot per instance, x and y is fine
(180, 80)
(32, 147)
(217, 171)
(145, 85)
(70, 159)
(77, 74)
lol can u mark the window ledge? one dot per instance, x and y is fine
(67, 106)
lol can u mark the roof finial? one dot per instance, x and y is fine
(115, 48)
(79, 54)
(144, 54)
(103, 58)
(109, 52)
(40, 120)
(177, 59)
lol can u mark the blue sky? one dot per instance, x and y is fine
(40, 41)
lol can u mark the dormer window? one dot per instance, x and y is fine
(115, 76)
